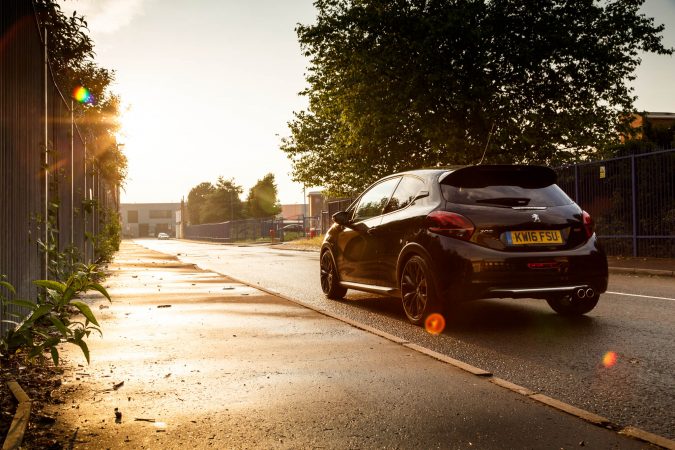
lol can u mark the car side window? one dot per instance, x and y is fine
(404, 194)
(373, 201)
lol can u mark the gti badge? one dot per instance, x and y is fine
(535, 218)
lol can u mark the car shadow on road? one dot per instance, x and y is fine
(484, 317)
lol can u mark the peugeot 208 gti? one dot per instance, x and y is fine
(434, 237)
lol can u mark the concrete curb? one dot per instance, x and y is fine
(17, 429)
(648, 437)
(582, 414)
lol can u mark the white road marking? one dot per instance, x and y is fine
(644, 296)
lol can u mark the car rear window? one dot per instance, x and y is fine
(506, 196)
(505, 186)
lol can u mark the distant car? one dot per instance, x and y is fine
(435, 237)
(293, 227)
(162, 236)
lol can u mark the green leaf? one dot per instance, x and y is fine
(24, 303)
(101, 289)
(83, 345)
(35, 315)
(35, 351)
(8, 286)
(55, 355)
(60, 326)
(50, 284)
(86, 311)
(52, 342)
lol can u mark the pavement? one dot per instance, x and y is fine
(642, 266)
(193, 358)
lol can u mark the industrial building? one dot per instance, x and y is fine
(148, 219)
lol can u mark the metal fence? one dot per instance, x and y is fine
(631, 199)
(46, 177)
(266, 229)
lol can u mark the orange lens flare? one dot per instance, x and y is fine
(609, 359)
(435, 324)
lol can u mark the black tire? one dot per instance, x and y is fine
(418, 293)
(330, 282)
(569, 305)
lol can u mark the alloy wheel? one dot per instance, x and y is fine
(414, 290)
(326, 273)
(329, 281)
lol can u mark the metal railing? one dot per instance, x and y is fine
(265, 229)
(631, 199)
(46, 176)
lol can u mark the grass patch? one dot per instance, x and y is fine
(305, 243)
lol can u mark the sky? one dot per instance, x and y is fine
(208, 87)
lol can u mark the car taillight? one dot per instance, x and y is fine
(588, 224)
(450, 224)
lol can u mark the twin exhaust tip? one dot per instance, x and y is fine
(585, 293)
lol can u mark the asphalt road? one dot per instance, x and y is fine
(522, 341)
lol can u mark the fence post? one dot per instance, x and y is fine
(634, 203)
(46, 158)
(72, 173)
(84, 210)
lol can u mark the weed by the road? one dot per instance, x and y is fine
(49, 321)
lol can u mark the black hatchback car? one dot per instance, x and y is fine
(434, 237)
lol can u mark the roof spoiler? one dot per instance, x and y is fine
(502, 175)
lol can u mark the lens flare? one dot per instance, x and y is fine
(435, 324)
(82, 95)
(609, 359)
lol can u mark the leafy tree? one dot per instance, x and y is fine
(71, 55)
(197, 201)
(223, 203)
(262, 198)
(401, 84)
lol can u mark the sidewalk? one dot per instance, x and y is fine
(190, 358)
(642, 266)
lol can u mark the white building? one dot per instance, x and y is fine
(148, 219)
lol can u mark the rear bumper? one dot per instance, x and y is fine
(468, 271)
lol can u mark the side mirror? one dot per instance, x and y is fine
(341, 218)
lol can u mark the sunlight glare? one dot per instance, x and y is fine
(609, 359)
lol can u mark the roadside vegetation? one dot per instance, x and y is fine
(221, 202)
(398, 85)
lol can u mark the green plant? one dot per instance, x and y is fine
(60, 263)
(107, 242)
(50, 321)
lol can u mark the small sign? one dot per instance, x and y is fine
(602, 172)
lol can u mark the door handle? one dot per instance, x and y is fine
(372, 230)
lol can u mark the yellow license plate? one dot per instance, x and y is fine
(534, 237)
